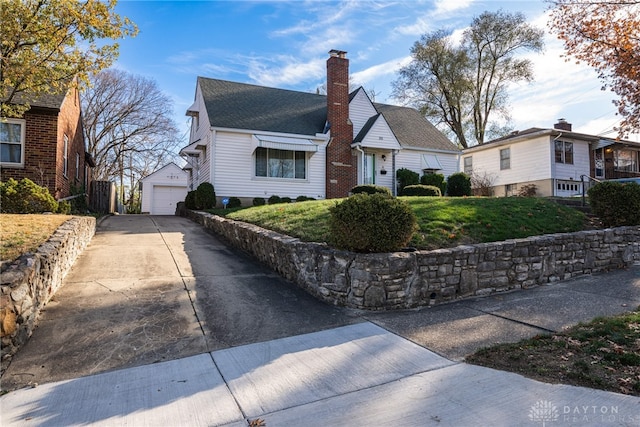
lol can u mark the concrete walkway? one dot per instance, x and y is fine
(159, 323)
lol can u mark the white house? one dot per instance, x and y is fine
(556, 161)
(253, 141)
(163, 189)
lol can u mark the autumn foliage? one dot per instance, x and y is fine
(605, 35)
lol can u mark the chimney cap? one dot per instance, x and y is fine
(338, 53)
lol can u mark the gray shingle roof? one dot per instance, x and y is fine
(53, 101)
(245, 106)
(412, 129)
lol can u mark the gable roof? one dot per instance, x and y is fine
(170, 165)
(245, 106)
(258, 108)
(412, 129)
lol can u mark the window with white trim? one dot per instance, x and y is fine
(78, 166)
(564, 152)
(65, 157)
(468, 165)
(505, 158)
(12, 135)
(273, 163)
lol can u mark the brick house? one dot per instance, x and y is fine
(47, 145)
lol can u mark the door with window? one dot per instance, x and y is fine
(369, 173)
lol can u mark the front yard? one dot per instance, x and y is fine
(443, 222)
(24, 233)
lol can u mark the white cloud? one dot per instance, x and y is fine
(444, 7)
(369, 75)
(291, 72)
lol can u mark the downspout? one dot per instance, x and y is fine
(361, 165)
(394, 184)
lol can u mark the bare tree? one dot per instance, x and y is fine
(462, 85)
(129, 127)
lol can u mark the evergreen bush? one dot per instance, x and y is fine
(205, 196)
(303, 198)
(615, 203)
(458, 185)
(435, 179)
(234, 202)
(286, 200)
(25, 197)
(406, 177)
(421, 190)
(259, 201)
(190, 200)
(273, 200)
(370, 189)
(371, 223)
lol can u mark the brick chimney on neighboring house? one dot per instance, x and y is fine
(341, 173)
(563, 124)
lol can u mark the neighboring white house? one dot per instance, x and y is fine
(253, 141)
(554, 160)
(163, 189)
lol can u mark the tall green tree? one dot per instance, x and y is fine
(462, 84)
(46, 45)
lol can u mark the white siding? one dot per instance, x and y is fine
(580, 166)
(360, 110)
(170, 178)
(234, 171)
(380, 136)
(412, 159)
(200, 131)
(531, 160)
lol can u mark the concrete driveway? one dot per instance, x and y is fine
(181, 330)
(154, 288)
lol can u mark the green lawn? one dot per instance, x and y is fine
(443, 221)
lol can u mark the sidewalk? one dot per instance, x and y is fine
(357, 375)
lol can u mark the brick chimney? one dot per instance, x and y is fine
(341, 174)
(563, 124)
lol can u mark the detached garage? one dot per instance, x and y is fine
(163, 189)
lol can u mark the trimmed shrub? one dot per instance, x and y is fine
(64, 207)
(371, 223)
(234, 202)
(615, 203)
(259, 201)
(25, 196)
(303, 198)
(435, 179)
(370, 189)
(458, 185)
(286, 200)
(528, 190)
(274, 200)
(421, 190)
(190, 200)
(205, 196)
(406, 177)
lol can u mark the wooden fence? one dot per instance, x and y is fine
(102, 197)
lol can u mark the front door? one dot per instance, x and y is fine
(369, 168)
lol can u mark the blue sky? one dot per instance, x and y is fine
(285, 44)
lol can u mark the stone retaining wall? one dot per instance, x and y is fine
(412, 279)
(27, 284)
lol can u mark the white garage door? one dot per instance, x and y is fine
(165, 199)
